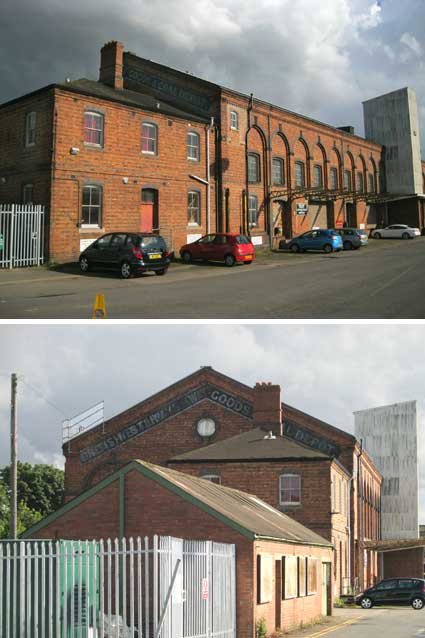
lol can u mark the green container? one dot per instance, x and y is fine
(49, 589)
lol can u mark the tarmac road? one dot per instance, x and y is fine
(383, 281)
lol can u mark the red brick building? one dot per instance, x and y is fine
(282, 568)
(207, 408)
(148, 147)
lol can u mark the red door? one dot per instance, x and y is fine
(147, 210)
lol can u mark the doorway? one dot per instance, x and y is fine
(326, 590)
(149, 221)
(351, 215)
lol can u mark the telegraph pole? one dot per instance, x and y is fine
(13, 460)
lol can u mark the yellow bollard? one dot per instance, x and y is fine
(99, 308)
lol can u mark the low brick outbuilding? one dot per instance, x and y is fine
(283, 569)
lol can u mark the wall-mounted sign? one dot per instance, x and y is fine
(257, 241)
(311, 439)
(301, 209)
(205, 589)
(207, 391)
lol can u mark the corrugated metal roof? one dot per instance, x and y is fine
(392, 545)
(252, 445)
(244, 510)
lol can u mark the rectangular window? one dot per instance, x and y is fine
(311, 576)
(91, 210)
(253, 168)
(30, 125)
(194, 208)
(27, 196)
(264, 578)
(149, 138)
(93, 128)
(334, 179)
(347, 180)
(360, 186)
(371, 183)
(290, 489)
(193, 146)
(290, 577)
(253, 211)
(318, 176)
(299, 175)
(278, 176)
(234, 120)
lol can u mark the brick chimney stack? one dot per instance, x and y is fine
(268, 408)
(111, 55)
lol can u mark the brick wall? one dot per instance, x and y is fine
(406, 562)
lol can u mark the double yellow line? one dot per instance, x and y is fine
(328, 630)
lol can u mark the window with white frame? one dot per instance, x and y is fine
(299, 175)
(318, 176)
(213, 478)
(194, 208)
(193, 146)
(253, 168)
(334, 178)
(149, 138)
(234, 120)
(93, 128)
(30, 127)
(289, 489)
(252, 211)
(91, 210)
(278, 175)
(27, 194)
(347, 180)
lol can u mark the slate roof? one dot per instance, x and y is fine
(252, 446)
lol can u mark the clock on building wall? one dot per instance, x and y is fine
(206, 427)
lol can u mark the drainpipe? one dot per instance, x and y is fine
(350, 482)
(208, 129)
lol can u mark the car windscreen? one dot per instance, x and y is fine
(154, 242)
(241, 239)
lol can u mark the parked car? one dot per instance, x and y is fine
(228, 247)
(130, 253)
(394, 591)
(352, 238)
(319, 239)
(396, 231)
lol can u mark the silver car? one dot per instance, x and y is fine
(396, 231)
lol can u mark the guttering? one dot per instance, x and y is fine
(276, 539)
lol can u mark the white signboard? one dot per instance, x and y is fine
(257, 241)
(301, 209)
(191, 238)
(85, 243)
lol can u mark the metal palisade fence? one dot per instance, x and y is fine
(170, 588)
(21, 235)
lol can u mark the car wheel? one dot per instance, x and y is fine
(229, 260)
(84, 264)
(348, 245)
(295, 248)
(327, 248)
(366, 603)
(405, 236)
(418, 603)
(187, 257)
(377, 236)
(125, 270)
(161, 272)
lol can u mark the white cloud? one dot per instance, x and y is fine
(411, 43)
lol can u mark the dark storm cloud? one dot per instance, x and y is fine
(320, 59)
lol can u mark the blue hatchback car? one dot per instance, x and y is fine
(319, 239)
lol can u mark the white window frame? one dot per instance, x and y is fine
(193, 135)
(99, 118)
(275, 161)
(30, 128)
(234, 120)
(153, 128)
(99, 206)
(283, 476)
(191, 207)
(251, 223)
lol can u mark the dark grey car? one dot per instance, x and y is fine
(352, 238)
(394, 591)
(130, 253)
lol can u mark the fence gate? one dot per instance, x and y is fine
(117, 589)
(21, 235)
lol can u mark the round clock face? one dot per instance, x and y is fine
(206, 427)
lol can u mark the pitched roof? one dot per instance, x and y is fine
(247, 514)
(253, 445)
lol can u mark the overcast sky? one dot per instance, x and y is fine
(328, 371)
(320, 59)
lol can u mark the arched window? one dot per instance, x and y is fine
(334, 179)
(318, 176)
(278, 174)
(299, 175)
(193, 146)
(93, 128)
(149, 138)
(347, 180)
(289, 489)
(194, 208)
(213, 478)
(254, 174)
(91, 209)
(252, 211)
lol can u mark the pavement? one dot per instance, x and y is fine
(383, 281)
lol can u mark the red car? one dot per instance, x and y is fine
(228, 247)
